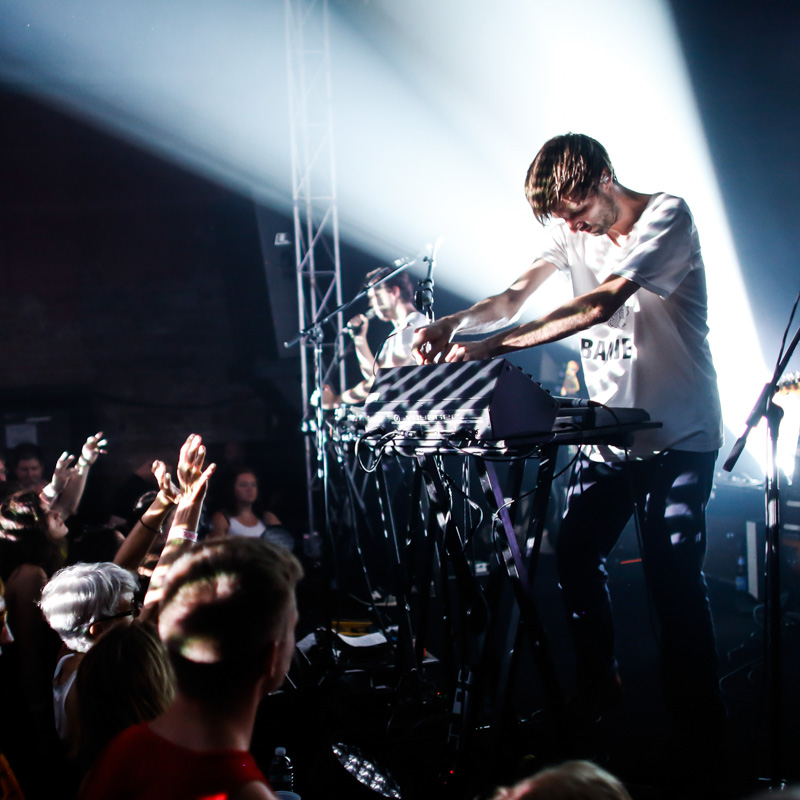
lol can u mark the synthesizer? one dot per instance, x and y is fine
(480, 401)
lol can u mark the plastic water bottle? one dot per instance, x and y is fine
(281, 771)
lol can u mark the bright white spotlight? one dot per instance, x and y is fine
(438, 107)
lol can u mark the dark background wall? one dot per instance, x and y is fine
(135, 302)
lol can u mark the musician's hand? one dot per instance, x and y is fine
(467, 351)
(329, 398)
(358, 326)
(432, 340)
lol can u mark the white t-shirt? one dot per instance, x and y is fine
(653, 353)
(236, 528)
(396, 352)
(60, 692)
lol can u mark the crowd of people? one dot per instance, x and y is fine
(184, 651)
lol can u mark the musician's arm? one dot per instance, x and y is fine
(490, 314)
(354, 396)
(575, 315)
(365, 356)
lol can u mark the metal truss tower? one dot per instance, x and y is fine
(316, 221)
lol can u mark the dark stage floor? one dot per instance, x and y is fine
(401, 719)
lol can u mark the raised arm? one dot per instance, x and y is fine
(62, 475)
(183, 533)
(69, 499)
(485, 316)
(138, 542)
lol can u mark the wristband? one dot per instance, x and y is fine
(50, 492)
(183, 533)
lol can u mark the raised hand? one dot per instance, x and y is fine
(166, 487)
(91, 449)
(63, 472)
(191, 477)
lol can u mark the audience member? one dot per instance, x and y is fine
(31, 549)
(80, 603)
(9, 787)
(242, 514)
(128, 496)
(573, 780)
(83, 601)
(227, 616)
(66, 487)
(27, 465)
(6, 637)
(126, 678)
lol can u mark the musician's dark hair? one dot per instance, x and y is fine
(568, 167)
(402, 281)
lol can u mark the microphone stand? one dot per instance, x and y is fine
(423, 297)
(314, 333)
(766, 408)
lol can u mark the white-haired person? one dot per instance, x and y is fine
(83, 601)
(80, 602)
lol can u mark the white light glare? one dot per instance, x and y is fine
(439, 108)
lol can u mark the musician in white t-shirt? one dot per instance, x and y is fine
(391, 301)
(639, 308)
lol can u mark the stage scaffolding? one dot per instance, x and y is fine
(316, 222)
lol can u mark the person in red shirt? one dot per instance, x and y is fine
(227, 617)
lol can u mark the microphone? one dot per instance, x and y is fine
(352, 325)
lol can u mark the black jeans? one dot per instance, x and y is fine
(671, 491)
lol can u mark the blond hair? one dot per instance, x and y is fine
(572, 780)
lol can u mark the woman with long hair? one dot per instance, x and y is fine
(32, 548)
(125, 679)
(241, 513)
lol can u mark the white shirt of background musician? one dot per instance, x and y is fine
(396, 352)
(653, 353)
